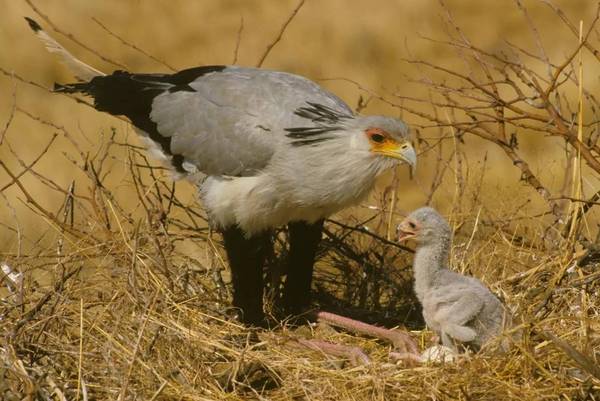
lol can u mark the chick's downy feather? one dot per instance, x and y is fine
(461, 309)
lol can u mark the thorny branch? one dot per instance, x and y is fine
(498, 98)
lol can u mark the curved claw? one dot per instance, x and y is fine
(406, 356)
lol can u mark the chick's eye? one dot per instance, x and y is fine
(378, 138)
(412, 225)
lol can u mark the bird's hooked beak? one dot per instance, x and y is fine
(402, 151)
(406, 230)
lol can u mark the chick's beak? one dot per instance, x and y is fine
(405, 232)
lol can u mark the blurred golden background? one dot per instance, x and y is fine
(360, 41)
(131, 298)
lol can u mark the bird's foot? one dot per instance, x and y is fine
(408, 357)
(402, 341)
(433, 354)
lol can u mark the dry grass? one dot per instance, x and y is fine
(118, 308)
(115, 288)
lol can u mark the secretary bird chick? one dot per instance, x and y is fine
(272, 148)
(460, 309)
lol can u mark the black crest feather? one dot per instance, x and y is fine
(326, 119)
(321, 114)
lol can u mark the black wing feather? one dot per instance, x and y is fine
(131, 95)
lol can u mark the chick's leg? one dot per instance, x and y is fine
(453, 318)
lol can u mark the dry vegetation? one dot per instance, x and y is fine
(113, 287)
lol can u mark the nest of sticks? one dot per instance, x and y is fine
(131, 302)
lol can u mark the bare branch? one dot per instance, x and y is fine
(238, 41)
(12, 113)
(574, 29)
(28, 167)
(132, 46)
(280, 34)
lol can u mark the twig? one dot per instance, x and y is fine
(132, 46)
(29, 166)
(25, 81)
(591, 201)
(536, 35)
(371, 234)
(30, 199)
(571, 26)
(13, 212)
(280, 34)
(58, 287)
(13, 108)
(79, 370)
(159, 390)
(149, 310)
(585, 362)
(238, 41)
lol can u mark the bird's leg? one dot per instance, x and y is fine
(304, 239)
(401, 340)
(246, 258)
(355, 354)
(447, 341)
(453, 319)
(462, 309)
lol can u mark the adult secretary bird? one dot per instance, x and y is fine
(274, 148)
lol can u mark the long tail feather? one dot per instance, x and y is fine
(80, 69)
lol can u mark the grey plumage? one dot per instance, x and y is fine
(460, 309)
(248, 123)
(266, 148)
(269, 147)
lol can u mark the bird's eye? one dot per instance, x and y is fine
(412, 225)
(378, 138)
